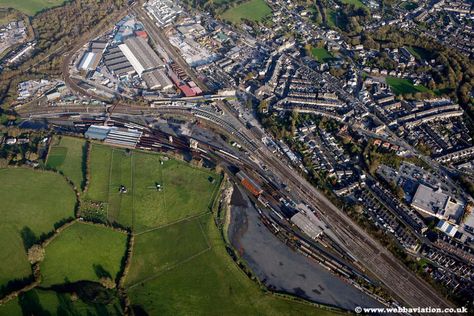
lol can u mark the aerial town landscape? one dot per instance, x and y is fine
(236, 157)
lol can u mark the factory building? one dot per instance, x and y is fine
(91, 58)
(89, 61)
(115, 136)
(157, 79)
(140, 55)
(120, 137)
(117, 63)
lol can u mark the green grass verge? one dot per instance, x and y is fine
(404, 86)
(209, 284)
(253, 10)
(31, 203)
(67, 155)
(41, 302)
(30, 7)
(83, 252)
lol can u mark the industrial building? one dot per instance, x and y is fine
(97, 132)
(194, 54)
(117, 63)
(115, 136)
(308, 223)
(140, 55)
(157, 79)
(127, 138)
(91, 58)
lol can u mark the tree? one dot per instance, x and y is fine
(107, 282)
(35, 254)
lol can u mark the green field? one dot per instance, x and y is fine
(83, 252)
(121, 205)
(404, 86)
(183, 240)
(186, 191)
(99, 172)
(356, 3)
(179, 264)
(31, 203)
(208, 283)
(253, 10)
(321, 54)
(41, 302)
(30, 7)
(67, 155)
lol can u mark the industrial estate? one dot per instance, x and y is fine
(254, 157)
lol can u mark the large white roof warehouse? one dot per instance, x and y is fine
(140, 55)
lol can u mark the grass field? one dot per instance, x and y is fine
(356, 3)
(404, 86)
(31, 203)
(121, 205)
(253, 10)
(179, 263)
(99, 172)
(186, 190)
(321, 54)
(208, 283)
(30, 7)
(67, 155)
(83, 252)
(183, 240)
(42, 302)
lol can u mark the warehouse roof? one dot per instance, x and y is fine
(157, 79)
(140, 55)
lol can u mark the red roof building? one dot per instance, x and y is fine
(142, 34)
